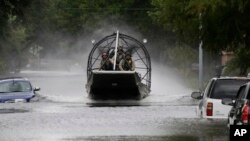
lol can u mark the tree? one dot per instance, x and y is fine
(240, 64)
(225, 24)
(12, 31)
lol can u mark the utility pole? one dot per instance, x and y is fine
(200, 55)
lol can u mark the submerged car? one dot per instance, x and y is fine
(16, 89)
(210, 106)
(240, 112)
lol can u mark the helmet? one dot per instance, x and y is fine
(128, 54)
(104, 54)
(120, 48)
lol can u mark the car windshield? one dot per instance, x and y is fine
(15, 86)
(226, 88)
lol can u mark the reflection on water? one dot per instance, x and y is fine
(9, 111)
(114, 103)
(148, 138)
(136, 138)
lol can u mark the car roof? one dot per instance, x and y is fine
(13, 78)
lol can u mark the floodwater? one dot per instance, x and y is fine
(63, 112)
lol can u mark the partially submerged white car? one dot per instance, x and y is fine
(210, 106)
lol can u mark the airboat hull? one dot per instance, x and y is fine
(116, 85)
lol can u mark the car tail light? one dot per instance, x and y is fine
(245, 113)
(209, 109)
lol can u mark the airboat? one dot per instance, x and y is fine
(116, 84)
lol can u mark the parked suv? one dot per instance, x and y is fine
(240, 112)
(210, 105)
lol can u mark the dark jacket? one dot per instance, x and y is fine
(127, 65)
(106, 64)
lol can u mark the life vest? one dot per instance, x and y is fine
(127, 65)
(119, 58)
(106, 65)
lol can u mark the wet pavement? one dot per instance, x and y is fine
(63, 112)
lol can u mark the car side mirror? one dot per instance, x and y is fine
(239, 104)
(37, 89)
(196, 95)
(227, 101)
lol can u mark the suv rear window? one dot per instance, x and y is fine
(226, 88)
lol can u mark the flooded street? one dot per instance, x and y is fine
(123, 70)
(63, 112)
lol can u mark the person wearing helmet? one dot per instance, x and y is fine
(120, 56)
(106, 63)
(127, 64)
(120, 49)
